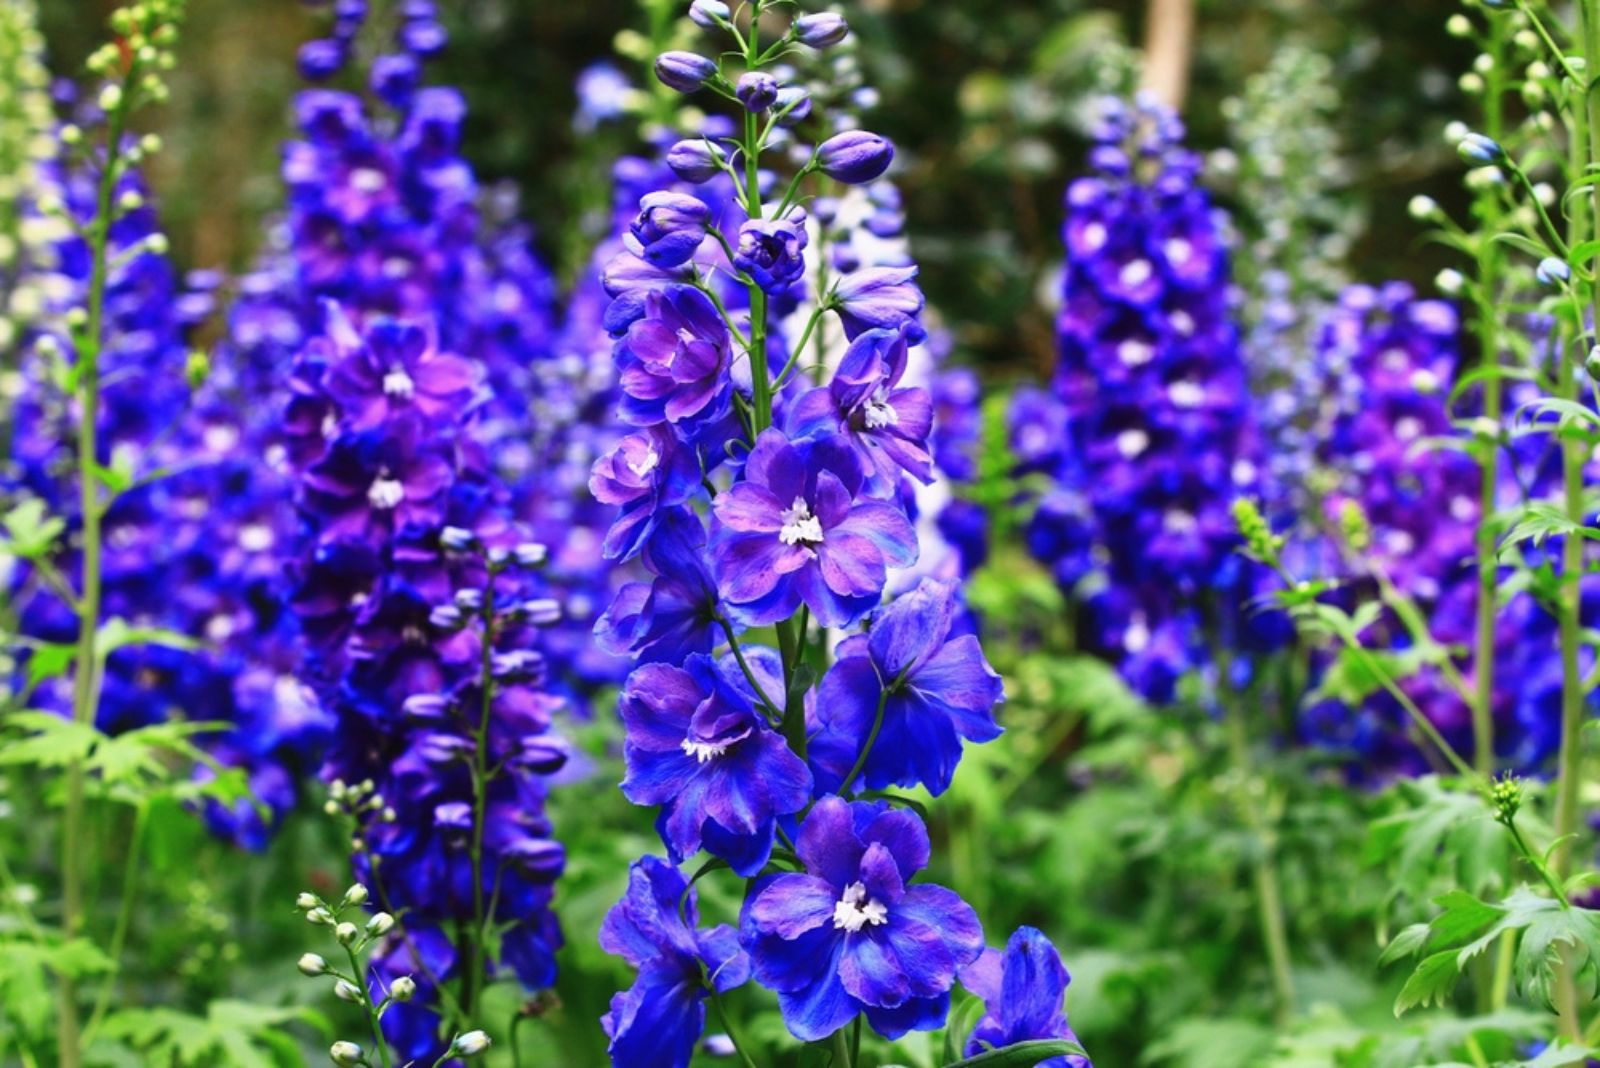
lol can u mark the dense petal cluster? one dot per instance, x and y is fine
(1148, 431)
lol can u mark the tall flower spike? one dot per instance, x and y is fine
(771, 484)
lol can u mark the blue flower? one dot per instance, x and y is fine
(647, 472)
(799, 529)
(670, 227)
(848, 935)
(772, 251)
(878, 298)
(698, 745)
(1022, 992)
(887, 423)
(675, 615)
(674, 360)
(660, 1018)
(934, 691)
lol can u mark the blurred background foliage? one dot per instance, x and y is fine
(984, 97)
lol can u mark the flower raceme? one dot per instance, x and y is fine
(766, 485)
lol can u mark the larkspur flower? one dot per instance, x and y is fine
(905, 694)
(674, 360)
(887, 423)
(799, 529)
(772, 251)
(698, 745)
(655, 928)
(848, 935)
(1022, 991)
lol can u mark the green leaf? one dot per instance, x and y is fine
(1533, 248)
(1536, 521)
(30, 532)
(115, 633)
(1431, 983)
(47, 741)
(48, 660)
(1405, 944)
(1559, 1055)
(1022, 1055)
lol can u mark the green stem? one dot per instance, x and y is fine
(727, 1024)
(477, 968)
(774, 713)
(85, 683)
(866, 750)
(119, 935)
(841, 1050)
(358, 979)
(1269, 896)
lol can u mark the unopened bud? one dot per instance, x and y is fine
(313, 965)
(346, 933)
(347, 1055)
(356, 895)
(345, 990)
(380, 924)
(470, 1044)
(306, 901)
(403, 988)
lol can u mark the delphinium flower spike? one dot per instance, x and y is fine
(764, 488)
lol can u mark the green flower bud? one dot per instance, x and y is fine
(347, 1054)
(346, 933)
(356, 895)
(470, 1044)
(313, 965)
(380, 924)
(403, 988)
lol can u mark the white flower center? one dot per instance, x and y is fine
(855, 910)
(702, 751)
(879, 415)
(398, 384)
(1407, 428)
(367, 180)
(800, 527)
(643, 467)
(386, 493)
(1094, 236)
(1182, 322)
(1131, 443)
(1136, 272)
(1178, 250)
(1186, 394)
(1134, 352)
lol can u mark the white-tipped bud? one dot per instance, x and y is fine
(347, 1054)
(1538, 70)
(71, 134)
(306, 901)
(1458, 25)
(403, 988)
(111, 98)
(313, 965)
(470, 1044)
(130, 201)
(1545, 194)
(1450, 282)
(1423, 208)
(1454, 131)
(356, 895)
(380, 924)
(319, 916)
(345, 990)
(1483, 64)
(1485, 429)
(157, 244)
(346, 933)
(1470, 83)
(151, 143)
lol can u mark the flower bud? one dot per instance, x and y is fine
(1476, 148)
(320, 916)
(793, 105)
(470, 1044)
(541, 611)
(855, 157)
(1458, 25)
(1423, 208)
(313, 965)
(685, 71)
(356, 895)
(305, 902)
(709, 13)
(457, 539)
(347, 1054)
(380, 924)
(757, 91)
(1553, 272)
(532, 554)
(447, 617)
(345, 990)
(346, 933)
(695, 161)
(403, 988)
(1592, 364)
(670, 227)
(821, 30)
(1506, 795)
(469, 600)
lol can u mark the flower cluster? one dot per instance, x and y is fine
(1148, 433)
(1386, 359)
(757, 495)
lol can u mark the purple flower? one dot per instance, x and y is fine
(674, 361)
(685, 71)
(675, 616)
(670, 227)
(757, 91)
(848, 935)
(647, 472)
(396, 369)
(878, 298)
(699, 746)
(855, 157)
(695, 161)
(773, 252)
(821, 30)
(887, 423)
(1022, 994)
(799, 529)
(934, 690)
(659, 1019)
(378, 482)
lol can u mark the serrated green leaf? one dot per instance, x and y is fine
(1431, 983)
(30, 531)
(116, 633)
(1405, 944)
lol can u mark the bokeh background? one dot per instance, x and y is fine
(985, 98)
